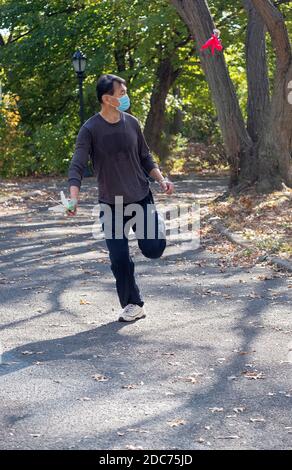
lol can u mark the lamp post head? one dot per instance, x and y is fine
(79, 62)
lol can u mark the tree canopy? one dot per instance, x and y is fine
(148, 43)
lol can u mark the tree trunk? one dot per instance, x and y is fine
(275, 143)
(257, 72)
(238, 144)
(120, 58)
(155, 122)
(177, 124)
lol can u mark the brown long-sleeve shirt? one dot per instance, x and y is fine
(118, 152)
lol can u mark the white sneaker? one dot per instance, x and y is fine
(132, 312)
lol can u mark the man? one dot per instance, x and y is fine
(121, 161)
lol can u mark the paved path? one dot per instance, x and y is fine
(209, 368)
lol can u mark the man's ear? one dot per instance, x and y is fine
(105, 99)
(109, 99)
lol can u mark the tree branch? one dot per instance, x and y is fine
(68, 10)
(20, 36)
(183, 42)
(276, 26)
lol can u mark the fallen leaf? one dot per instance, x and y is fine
(131, 386)
(216, 409)
(265, 277)
(192, 380)
(239, 409)
(100, 378)
(253, 375)
(176, 422)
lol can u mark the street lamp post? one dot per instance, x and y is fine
(79, 64)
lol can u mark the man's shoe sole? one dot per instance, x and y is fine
(134, 319)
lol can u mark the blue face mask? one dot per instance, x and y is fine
(124, 103)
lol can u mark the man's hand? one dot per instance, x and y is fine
(73, 201)
(72, 208)
(167, 186)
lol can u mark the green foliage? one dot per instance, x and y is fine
(126, 37)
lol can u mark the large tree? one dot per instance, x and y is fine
(259, 153)
(168, 70)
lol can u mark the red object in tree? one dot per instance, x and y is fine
(213, 43)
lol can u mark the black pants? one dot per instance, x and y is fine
(122, 264)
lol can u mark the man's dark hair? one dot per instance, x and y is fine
(105, 85)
